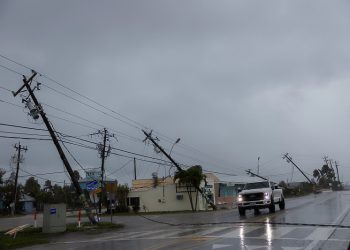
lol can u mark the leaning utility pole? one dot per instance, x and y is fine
(289, 159)
(336, 167)
(39, 109)
(18, 148)
(149, 136)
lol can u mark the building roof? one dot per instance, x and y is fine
(88, 179)
(211, 176)
(145, 184)
(26, 198)
(239, 179)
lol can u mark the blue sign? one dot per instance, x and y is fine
(92, 185)
(52, 210)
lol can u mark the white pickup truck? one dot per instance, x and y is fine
(259, 195)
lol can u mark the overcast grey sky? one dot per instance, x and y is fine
(233, 79)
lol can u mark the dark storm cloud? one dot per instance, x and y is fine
(237, 80)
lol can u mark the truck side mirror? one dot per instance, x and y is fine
(239, 190)
(273, 187)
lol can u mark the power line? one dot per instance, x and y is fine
(123, 166)
(118, 149)
(139, 125)
(40, 177)
(5, 88)
(12, 70)
(86, 126)
(76, 92)
(20, 133)
(80, 124)
(20, 64)
(50, 173)
(69, 121)
(10, 103)
(94, 123)
(25, 138)
(77, 123)
(90, 106)
(125, 156)
(64, 145)
(82, 145)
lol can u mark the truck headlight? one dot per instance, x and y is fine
(240, 198)
(266, 196)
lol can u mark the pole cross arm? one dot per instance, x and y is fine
(148, 136)
(25, 82)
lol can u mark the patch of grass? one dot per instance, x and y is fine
(11, 216)
(27, 237)
(35, 236)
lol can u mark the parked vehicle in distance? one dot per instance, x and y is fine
(259, 195)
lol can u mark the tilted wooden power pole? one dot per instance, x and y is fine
(19, 148)
(149, 136)
(26, 84)
(289, 159)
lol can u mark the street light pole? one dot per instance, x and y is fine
(176, 142)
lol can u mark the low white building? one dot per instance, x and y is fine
(158, 195)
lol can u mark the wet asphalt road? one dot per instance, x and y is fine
(307, 223)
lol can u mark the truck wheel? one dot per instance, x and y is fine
(282, 204)
(256, 211)
(272, 206)
(241, 211)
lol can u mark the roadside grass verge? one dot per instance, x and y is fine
(27, 237)
(35, 236)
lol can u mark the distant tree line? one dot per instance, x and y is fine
(48, 193)
(324, 178)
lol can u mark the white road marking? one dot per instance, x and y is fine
(170, 234)
(321, 233)
(253, 247)
(140, 234)
(239, 232)
(292, 248)
(281, 231)
(327, 234)
(340, 218)
(212, 230)
(217, 246)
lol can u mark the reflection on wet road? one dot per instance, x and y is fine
(307, 223)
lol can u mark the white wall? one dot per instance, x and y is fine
(152, 200)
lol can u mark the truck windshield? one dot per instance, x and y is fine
(256, 185)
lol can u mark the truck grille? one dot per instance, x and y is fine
(253, 197)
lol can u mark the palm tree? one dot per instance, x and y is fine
(192, 177)
(316, 174)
